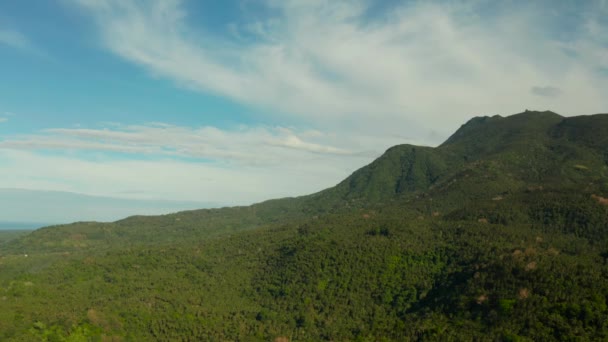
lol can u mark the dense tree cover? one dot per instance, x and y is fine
(11, 234)
(498, 239)
(343, 277)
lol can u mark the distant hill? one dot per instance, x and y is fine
(500, 233)
(21, 225)
(26, 206)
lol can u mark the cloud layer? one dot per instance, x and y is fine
(157, 160)
(423, 65)
(14, 39)
(547, 91)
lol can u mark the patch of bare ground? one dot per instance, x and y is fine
(600, 199)
(481, 299)
(531, 266)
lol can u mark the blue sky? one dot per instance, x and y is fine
(234, 102)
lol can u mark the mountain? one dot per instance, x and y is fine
(500, 233)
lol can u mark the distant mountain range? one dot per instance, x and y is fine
(22, 225)
(500, 234)
(33, 207)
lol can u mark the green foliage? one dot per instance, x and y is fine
(9, 235)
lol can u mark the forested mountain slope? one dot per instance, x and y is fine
(500, 233)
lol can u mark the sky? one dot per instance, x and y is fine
(232, 102)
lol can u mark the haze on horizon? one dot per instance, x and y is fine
(234, 102)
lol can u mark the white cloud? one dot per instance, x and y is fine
(14, 39)
(238, 166)
(242, 144)
(3, 120)
(426, 66)
(166, 179)
(547, 91)
(18, 40)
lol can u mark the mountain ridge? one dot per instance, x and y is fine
(404, 172)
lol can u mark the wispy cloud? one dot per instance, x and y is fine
(169, 178)
(14, 39)
(3, 119)
(547, 91)
(17, 40)
(242, 145)
(426, 65)
(235, 166)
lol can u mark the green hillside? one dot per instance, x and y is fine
(7, 235)
(500, 233)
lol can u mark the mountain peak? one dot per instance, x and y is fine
(486, 128)
(536, 114)
(516, 140)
